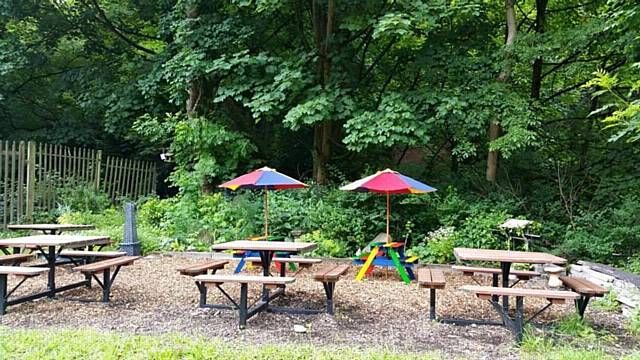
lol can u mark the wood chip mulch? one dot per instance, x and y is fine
(151, 297)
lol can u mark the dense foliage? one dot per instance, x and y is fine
(523, 108)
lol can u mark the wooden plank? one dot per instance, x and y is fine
(107, 169)
(537, 293)
(15, 258)
(246, 279)
(523, 257)
(296, 260)
(138, 179)
(98, 168)
(69, 241)
(5, 185)
(583, 286)
(470, 270)
(154, 180)
(203, 267)
(31, 179)
(12, 182)
(106, 264)
(50, 227)
(147, 178)
(21, 181)
(249, 245)
(22, 270)
(95, 254)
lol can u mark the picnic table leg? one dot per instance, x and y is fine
(51, 264)
(265, 257)
(494, 283)
(506, 268)
(3, 294)
(242, 311)
(432, 304)
(106, 282)
(519, 318)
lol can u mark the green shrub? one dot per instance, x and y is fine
(633, 322)
(326, 247)
(437, 247)
(82, 197)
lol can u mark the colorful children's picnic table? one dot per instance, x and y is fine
(386, 254)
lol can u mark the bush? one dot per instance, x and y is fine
(437, 247)
(82, 197)
(326, 247)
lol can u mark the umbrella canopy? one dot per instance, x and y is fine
(264, 178)
(389, 182)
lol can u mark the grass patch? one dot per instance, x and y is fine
(609, 302)
(89, 344)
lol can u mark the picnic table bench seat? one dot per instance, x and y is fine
(303, 262)
(432, 279)
(585, 288)
(472, 270)
(328, 276)
(516, 324)
(105, 266)
(203, 268)
(15, 259)
(91, 254)
(203, 281)
(22, 272)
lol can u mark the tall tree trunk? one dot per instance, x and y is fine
(494, 126)
(536, 75)
(322, 134)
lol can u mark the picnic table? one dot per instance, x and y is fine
(50, 246)
(50, 229)
(266, 250)
(506, 258)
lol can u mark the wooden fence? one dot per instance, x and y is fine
(31, 175)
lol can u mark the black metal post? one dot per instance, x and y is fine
(203, 294)
(51, 264)
(265, 258)
(494, 283)
(243, 306)
(432, 304)
(519, 315)
(3, 294)
(581, 305)
(329, 288)
(506, 268)
(106, 285)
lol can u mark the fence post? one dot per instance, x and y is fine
(98, 163)
(31, 178)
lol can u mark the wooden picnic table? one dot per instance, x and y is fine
(267, 250)
(506, 258)
(50, 229)
(50, 247)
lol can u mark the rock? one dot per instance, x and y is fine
(299, 329)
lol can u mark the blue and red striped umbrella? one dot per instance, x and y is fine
(389, 182)
(268, 179)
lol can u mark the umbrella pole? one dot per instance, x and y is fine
(266, 213)
(388, 216)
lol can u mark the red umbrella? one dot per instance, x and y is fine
(265, 178)
(389, 182)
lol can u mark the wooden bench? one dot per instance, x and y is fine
(91, 254)
(23, 273)
(472, 270)
(432, 279)
(203, 267)
(328, 276)
(585, 288)
(304, 263)
(15, 259)
(516, 324)
(203, 281)
(105, 266)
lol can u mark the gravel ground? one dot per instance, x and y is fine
(151, 297)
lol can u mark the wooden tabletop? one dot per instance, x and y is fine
(248, 245)
(49, 227)
(521, 257)
(56, 240)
